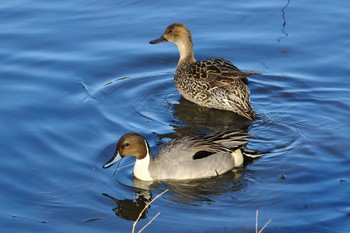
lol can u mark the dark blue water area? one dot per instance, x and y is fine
(77, 75)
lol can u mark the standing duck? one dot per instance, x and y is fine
(213, 82)
(190, 157)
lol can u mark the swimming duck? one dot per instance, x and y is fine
(190, 157)
(214, 82)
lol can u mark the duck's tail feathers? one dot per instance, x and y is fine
(251, 153)
(250, 73)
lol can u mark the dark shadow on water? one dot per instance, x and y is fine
(190, 119)
(130, 209)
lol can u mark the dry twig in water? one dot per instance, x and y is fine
(144, 209)
(256, 223)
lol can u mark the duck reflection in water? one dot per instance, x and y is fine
(192, 192)
(130, 209)
(195, 119)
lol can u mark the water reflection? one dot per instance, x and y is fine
(196, 119)
(130, 209)
(188, 192)
(193, 192)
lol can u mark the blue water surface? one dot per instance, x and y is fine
(77, 75)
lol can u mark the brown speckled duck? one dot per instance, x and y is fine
(214, 82)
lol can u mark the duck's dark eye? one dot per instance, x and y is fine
(127, 144)
(171, 31)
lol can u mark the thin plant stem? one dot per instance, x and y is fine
(265, 225)
(256, 220)
(145, 208)
(149, 222)
(256, 223)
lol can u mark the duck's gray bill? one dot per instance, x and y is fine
(114, 159)
(159, 40)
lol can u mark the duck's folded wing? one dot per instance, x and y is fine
(202, 146)
(188, 149)
(216, 68)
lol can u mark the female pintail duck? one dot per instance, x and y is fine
(191, 157)
(214, 82)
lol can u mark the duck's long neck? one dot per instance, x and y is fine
(186, 52)
(141, 167)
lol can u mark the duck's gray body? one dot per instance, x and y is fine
(191, 157)
(177, 162)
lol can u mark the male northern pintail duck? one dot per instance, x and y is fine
(190, 157)
(214, 82)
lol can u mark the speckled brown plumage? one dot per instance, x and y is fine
(214, 82)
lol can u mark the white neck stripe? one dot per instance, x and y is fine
(141, 167)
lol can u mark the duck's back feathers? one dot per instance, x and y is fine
(200, 145)
(212, 69)
(215, 83)
(204, 155)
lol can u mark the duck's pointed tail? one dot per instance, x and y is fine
(251, 153)
(250, 73)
